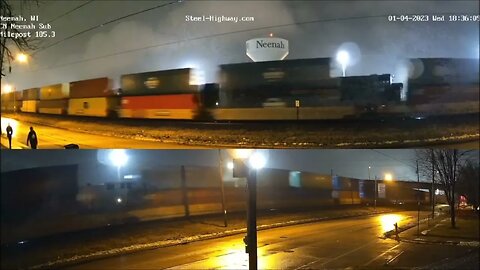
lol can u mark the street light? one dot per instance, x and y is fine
(8, 88)
(343, 58)
(22, 58)
(374, 190)
(256, 161)
(119, 158)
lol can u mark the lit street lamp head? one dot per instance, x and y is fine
(343, 58)
(7, 88)
(257, 161)
(118, 157)
(22, 58)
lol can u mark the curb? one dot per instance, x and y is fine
(418, 240)
(185, 240)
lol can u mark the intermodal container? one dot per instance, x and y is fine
(96, 106)
(55, 91)
(344, 183)
(250, 84)
(100, 87)
(165, 82)
(316, 181)
(29, 106)
(161, 106)
(8, 96)
(31, 94)
(56, 106)
(8, 105)
(305, 71)
(438, 71)
(18, 95)
(186, 101)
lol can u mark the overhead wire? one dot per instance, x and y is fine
(70, 11)
(194, 38)
(105, 23)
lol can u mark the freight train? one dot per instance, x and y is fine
(65, 194)
(300, 89)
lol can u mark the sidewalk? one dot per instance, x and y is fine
(15, 144)
(71, 248)
(439, 231)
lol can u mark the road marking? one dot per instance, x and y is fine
(338, 257)
(394, 258)
(388, 250)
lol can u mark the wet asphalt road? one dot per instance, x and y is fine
(344, 243)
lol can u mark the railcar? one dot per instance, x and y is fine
(301, 88)
(168, 94)
(94, 97)
(443, 86)
(53, 99)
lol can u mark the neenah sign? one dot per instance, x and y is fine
(267, 49)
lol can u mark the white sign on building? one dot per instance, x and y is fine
(381, 190)
(267, 49)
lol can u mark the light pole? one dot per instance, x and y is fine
(433, 183)
(418, 201)
(7, 89)
(118, 158)
(222, 187)
(256, 161)
(388, 177)
(374, 190)
(21, 58)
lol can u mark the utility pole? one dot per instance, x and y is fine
(184, 191)
(252, 220)
(433, 186)
(220, 166)
(376, 191)
(418, 202)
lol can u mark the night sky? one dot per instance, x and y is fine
(162, 39)
(349, 163)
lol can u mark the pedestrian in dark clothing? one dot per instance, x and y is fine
(9, 135)
(32, 138)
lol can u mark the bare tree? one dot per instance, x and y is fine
(11, 44)
(444, 164)
(427, 169)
